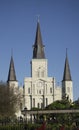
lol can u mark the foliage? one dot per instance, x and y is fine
(65, 118)
(11, 127)
(8, 101)
(63, 104)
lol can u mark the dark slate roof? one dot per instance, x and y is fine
(67, 74)
(11, 74)
(38, 47)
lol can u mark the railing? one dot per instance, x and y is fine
(49, 111)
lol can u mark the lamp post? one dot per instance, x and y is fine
(24, 112)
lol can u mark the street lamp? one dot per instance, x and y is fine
(24, 112)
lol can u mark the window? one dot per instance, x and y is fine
(33, 102)
(50, 90)
(46, 101)
(41, 105)
(38, 105)
(28, 90)
(39, 91)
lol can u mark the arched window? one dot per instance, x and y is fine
(29, 90)
(33, 102)
(46, 101)
(50, 90)
(38, 105)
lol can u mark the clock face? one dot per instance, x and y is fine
(40, 71)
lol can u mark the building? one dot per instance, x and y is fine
(39, 90)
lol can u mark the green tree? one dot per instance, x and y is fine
(8, 101)
(66, 118)
(62, 104)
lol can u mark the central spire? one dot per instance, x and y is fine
(38, 47)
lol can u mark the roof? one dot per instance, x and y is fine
(11, 74)
(67, 74)
(38, 47)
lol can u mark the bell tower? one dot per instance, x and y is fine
(38, 63)
(12, 81)
(67, 84)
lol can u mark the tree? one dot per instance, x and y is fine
(8, 101)
(59, 104)
(66, 118)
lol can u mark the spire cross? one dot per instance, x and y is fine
(11, 51)
(66, 51)
(38, 17)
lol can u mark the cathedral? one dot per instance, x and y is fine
(39, 90)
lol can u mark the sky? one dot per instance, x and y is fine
(59, 23)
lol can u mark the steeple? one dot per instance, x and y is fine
(11, 74)
(38, 47)
(67, 74)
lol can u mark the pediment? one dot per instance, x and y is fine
(40, 80)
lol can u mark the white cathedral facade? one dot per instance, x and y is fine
(39, 90)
